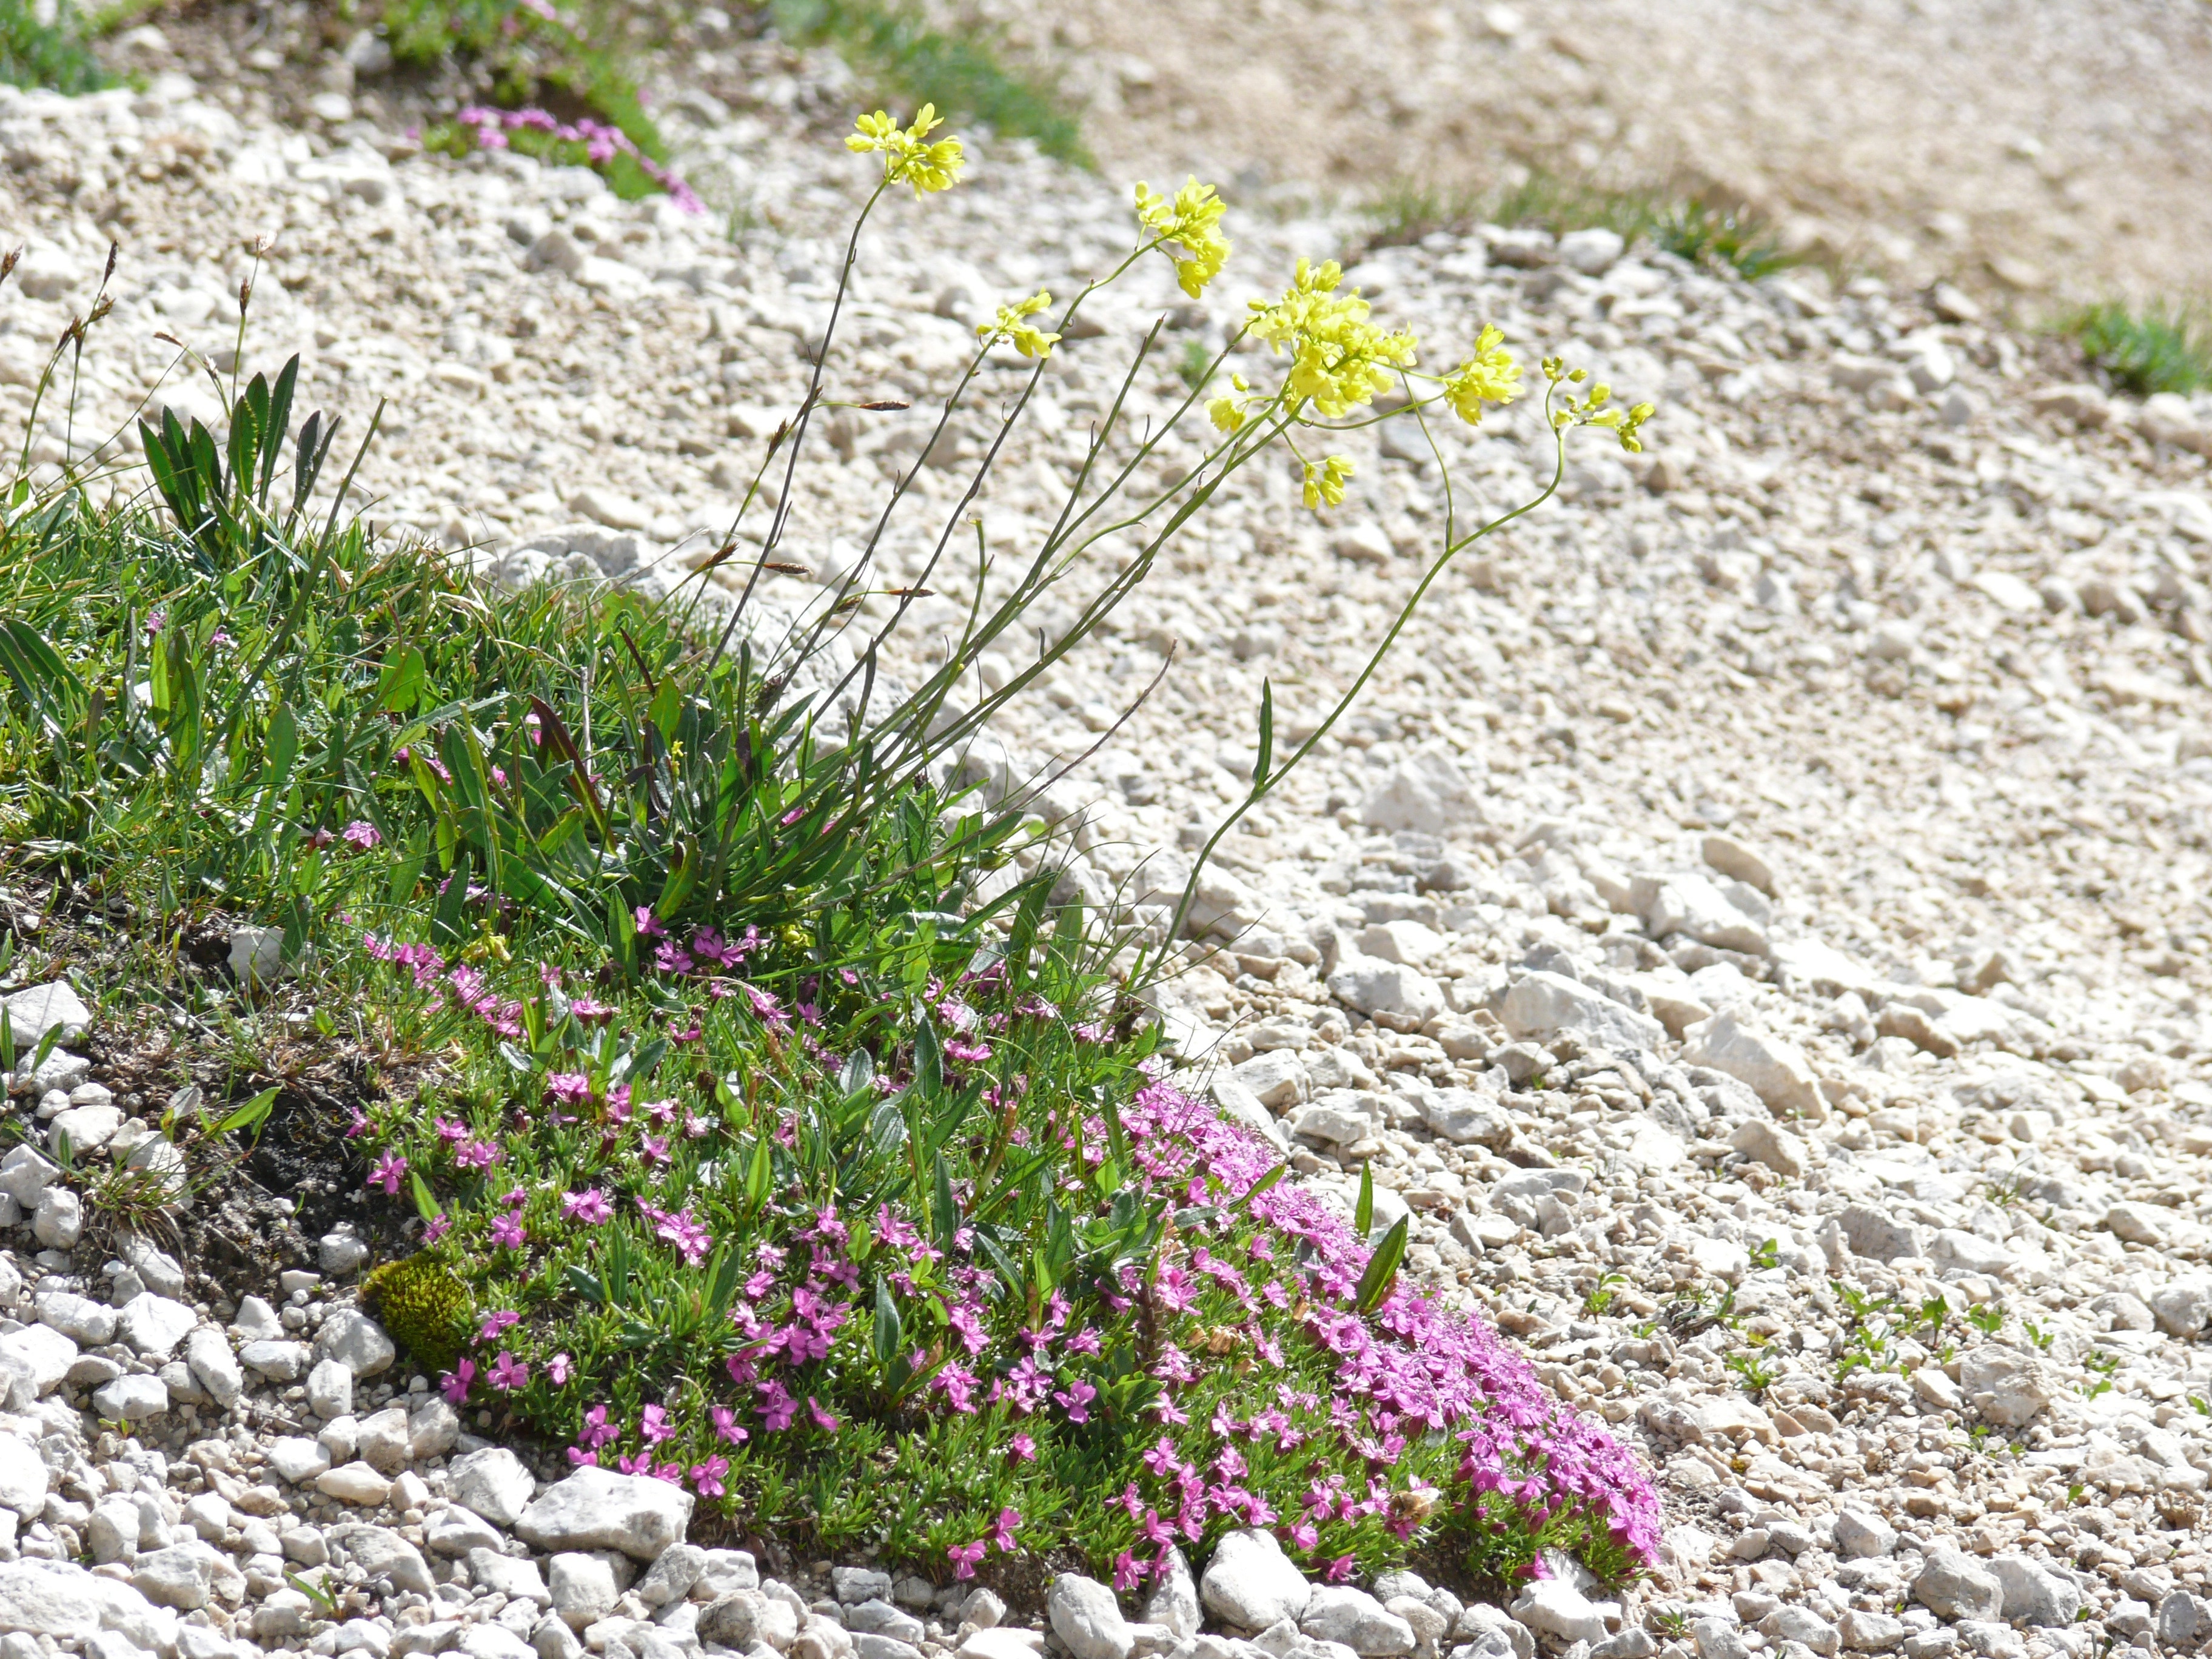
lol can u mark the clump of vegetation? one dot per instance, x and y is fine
(771, 1130)
(44, 46)
(2161, 349)
(896, 46)
(1691, 227)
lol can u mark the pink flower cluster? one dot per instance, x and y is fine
(601, 143)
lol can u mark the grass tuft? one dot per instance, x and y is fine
(959, 73)
(2163, 349)
(1692, 226)
(47, 52)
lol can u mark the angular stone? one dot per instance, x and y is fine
(356, 1341)
(1554, 1608)
(1541, 1005)
(516, 1578)
(296, 1458)
(23, 1477)
(38, 1357)
(89, 1324)
(493, 1482)
(453, 1530)
(58, 1222)
(383, 1441)
(206, 1350)
(1173, 1602)
(2033, 1594)
(383, 1553)
(1251, 1583)
(154, 1325)
(1860, 1535)
(1952, 1585)
(1338, 1612)
(582, 1588)
(2009, 1389)
(432, 1428)
(1086, 1617)
(42, 1008)
(1764, 1141)
(180, 1577)
(61, 1600)
(594, 1509)
(1388, 993)
(1466, 1118)
(131, 1400)
(280, 1362)
(354, 1483)
(1870, 1632)
(1773, 1069)
(330, 1390)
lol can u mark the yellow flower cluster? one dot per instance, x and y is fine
(1189, 221)
(1338, 359)
(1596, 410)
(908, 156)
(1012, 324)
(1229, 413)
(1325, 483)
(1491, 376)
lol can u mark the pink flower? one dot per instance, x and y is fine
(823, 1420)
(656, 1427)
(454, 1384)
(559, 1368)
(509, 1373)
(507, 1233)
(387, 1173)
(436, 1228)
(648, 925)
(1002, 1530)
(361, 833)
(1022, 1449)
(495, 1324)
(726, 1425)
(1076, 1400)
(569, 1088)
(707, 1476)
(964, 1558)
(589, 1206)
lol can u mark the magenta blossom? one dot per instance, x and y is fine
(509, 1373)
(964, 1558)
(388, 1172)
(496, 1324)
(559, 1368)
(589, 1206)
(454, 1383)
(361, 835)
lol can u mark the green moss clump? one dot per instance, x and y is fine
(423, 1306)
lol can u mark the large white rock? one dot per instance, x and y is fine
(494, 1483)
(32, 1013)
(214, 1366)
(1692, 905)
(154, 1325)
(1251, 1583)
(1542, 1004)
(595, 1509)
(131, 1400)
(1427, 792)
(1773, 1069)
(62, 1600)
(88, 1323)
(1388, 993)
(22, 1476)
(582, 1587)
(1338, 1612)
(1553, 1608)
(2007, 1387)
(36, 1358)
(356, 1341)
(1086, 1616)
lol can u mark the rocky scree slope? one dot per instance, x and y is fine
(1754, 925)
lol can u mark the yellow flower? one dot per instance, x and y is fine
(1229, 413)
(1338, 359)
(1325, 483)
(1491, 376)
(908, 156)
(1190, 220)
(1012, 324)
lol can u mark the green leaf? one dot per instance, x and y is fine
(760, 1175)
(1262, 1184)
(928, 1059)
(425, 1205)
(587, 1284)
(1363, 1214)
(1266, 755)
(399, 685)
(891, 1331)
(251, 1116)
(1382, 1268)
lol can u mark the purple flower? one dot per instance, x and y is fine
(1002, 1530)
(1075, 1399)
(496, 1323)
(656, 1427)
(559, 1368)
(707, 1476)
(388, 1172)
(454, 1383)
(507, 1233)
(361, 833)
(964, 1557)
(726, 1425)
(589, 1206)
(509, 1373)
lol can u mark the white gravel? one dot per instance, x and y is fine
(1774, 872)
